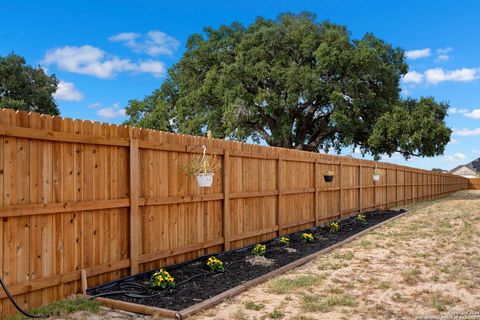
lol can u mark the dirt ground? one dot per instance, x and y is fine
(426, 263)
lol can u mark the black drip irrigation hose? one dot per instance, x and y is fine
(232, 263)
(25, 313)
(127, 284)
(133, 294)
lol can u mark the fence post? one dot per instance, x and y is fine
(386, 187)
(226, 199)
(134, 213)
(360, 192)
(279, 188)
(341, 189)
(315, 196)
(396, 186)
(374, 193)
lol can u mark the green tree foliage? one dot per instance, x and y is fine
(295, 83)
(23, 87)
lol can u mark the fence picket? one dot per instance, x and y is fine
(113, 200)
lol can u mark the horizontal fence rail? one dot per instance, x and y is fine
(113, 200)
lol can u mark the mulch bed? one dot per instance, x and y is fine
(194, 283)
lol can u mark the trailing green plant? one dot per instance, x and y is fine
(361, 218)
(307, 237)
(162, 279)
(334, 226)
(259, 249)
(377, 172)
(215, 265)
(201, 165)
(285, 241)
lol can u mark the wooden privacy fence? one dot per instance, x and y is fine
(113, 200)
(474, 183)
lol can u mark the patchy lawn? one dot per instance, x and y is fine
(426, 263)
(79, 308)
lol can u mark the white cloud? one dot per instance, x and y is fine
(443, 54)
(442, 58)
(95, 105)
(154, 43)
(156, 68)
(67, 91)
(456, 157)
(473, 114)
(394, 156)
(93, 61)
(413, 77)
(438, 75)
(124, 36)
(457, 111)
(453, 141)
(114, 111)
(476, 152)
(467, 132)
(452, 110)
(357, 151)
(417, 54)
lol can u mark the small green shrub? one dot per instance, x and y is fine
(334, 227)
(162, 279)
(361, 218)
(259, 249)
(285, 241)
(307, 237)
(215, 265)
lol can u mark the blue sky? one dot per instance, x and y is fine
(107, 52)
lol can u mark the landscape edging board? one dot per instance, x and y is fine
(182, 314)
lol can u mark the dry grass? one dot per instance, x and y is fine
(426, 263)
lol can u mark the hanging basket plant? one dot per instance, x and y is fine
(377, 174)
(328, 176)
(203, 168)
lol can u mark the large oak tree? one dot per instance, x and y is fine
(26, 88)
(295, 83)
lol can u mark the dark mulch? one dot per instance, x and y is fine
(204, 285)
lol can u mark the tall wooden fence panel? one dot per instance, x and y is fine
(113, 200)
(474, 184)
